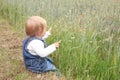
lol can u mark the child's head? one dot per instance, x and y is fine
(35, 26)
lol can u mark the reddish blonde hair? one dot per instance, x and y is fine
(34, 26)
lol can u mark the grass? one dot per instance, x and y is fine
(12, 66)
(89, 32)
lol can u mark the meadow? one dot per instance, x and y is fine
(89, 31)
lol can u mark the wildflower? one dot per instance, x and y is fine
(111, 17)
(116, 1)
(83, 30)
(80, 19)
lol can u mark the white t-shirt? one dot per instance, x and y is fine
(36, 47)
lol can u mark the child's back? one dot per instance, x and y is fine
(35, 50)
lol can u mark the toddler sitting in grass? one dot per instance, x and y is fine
(35, 50)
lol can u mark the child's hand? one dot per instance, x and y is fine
(49, 30)
(56, 44)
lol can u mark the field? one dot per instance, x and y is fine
(89, 31)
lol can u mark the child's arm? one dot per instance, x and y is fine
(48, 33)
(37, 48)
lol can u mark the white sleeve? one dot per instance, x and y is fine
(46, 35)
(37, 47)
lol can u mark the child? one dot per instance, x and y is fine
(35, 50)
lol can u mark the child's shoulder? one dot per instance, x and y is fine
(35, 42)
(33, 39)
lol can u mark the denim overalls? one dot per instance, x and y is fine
(36, 63)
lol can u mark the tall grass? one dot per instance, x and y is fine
(89, 31)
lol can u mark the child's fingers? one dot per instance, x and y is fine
(59, 41)
(50, 29)
(56, 44)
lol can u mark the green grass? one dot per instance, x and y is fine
(89, 31)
